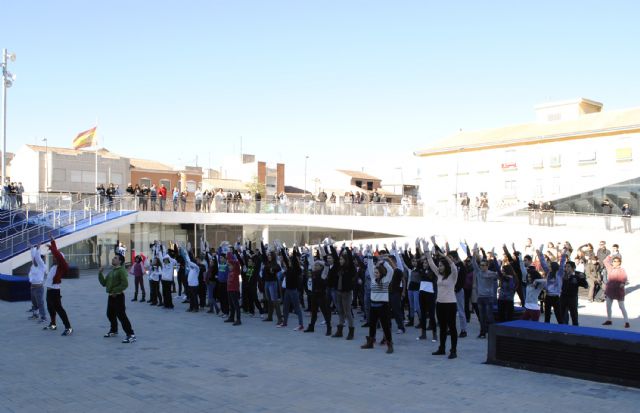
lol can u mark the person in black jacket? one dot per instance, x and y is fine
(346, 278)
(569, 295)
(270, 269)
(317, 293)
(292, 278)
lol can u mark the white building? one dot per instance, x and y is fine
(573, 155)
(42, 169)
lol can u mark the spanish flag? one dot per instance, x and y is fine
(85, 139)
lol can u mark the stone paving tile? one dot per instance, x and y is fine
(195, 362)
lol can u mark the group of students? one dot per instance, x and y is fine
(441, 286)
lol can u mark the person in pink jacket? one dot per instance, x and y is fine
(614, 290)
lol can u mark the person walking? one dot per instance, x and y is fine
(115, 283)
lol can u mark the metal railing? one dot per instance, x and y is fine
(295, 206)
(41, 226)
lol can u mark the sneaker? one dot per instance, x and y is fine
(281, 325)
(400, 331)
(237, 323)
(42, 320)
(67, 331)
(34, 317)
(462, 334)
(110, 334)
(299, 328)
(50, 327)
(129, 339)
(627, 325)
(229, 320)
(607, 323)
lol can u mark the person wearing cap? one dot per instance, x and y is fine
(115, 284)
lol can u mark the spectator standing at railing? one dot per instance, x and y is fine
(162, 195)
(153, 196)
(183, 201)
(198, 198)
(626, 218)
(332, 201)
(175, 197)
(607, 208)
(19, 192)
(110, 193)
(322, 202)
(258, 200)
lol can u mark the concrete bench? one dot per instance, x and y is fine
(14, 288)
(597, 354)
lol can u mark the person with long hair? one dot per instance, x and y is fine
(446, 303)
(614, 289)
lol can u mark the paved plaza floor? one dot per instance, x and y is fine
(195, 363)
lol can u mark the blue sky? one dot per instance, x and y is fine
(352, 84)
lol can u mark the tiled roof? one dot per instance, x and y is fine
(358, 175)
(149, 165)
(590, 125)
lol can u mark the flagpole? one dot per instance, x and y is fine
(96, 185)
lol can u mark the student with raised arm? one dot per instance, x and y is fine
(293, 274)
(36, 279)
(380, 276)
(345, 279)
(569, 296)
(166, 278)
(115, 284)
(553, 287)
(193, 270)
(317, 293)
(446, 303)
(52, 284)
(484, 279)
(270, 269)
(427, 296)
(614, 289)
(534, 286)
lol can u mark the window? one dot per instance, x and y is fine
(89, 177)
(59, 174)
(586, 157)
(510, 188)
(555, 161)
(191, 186)
(144, 182)
(623, 154)
(553, 117)
(538, 189)
(166, 183)
(537, 163)
(76, 176)
(369, 186)
(359, 184)
(116, 178)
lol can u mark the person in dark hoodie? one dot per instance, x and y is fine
(346, 278)
(569, 295)
(293, 273)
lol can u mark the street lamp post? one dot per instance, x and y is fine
(46, 165)
(7, 81)
(304, 196)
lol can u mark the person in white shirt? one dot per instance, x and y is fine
(36, 278)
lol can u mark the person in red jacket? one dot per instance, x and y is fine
(162, 194)
(233, 285)
(52, 284)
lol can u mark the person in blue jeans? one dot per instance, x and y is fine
(293, 274)
(484, 279)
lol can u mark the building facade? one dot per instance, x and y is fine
(573, 149)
